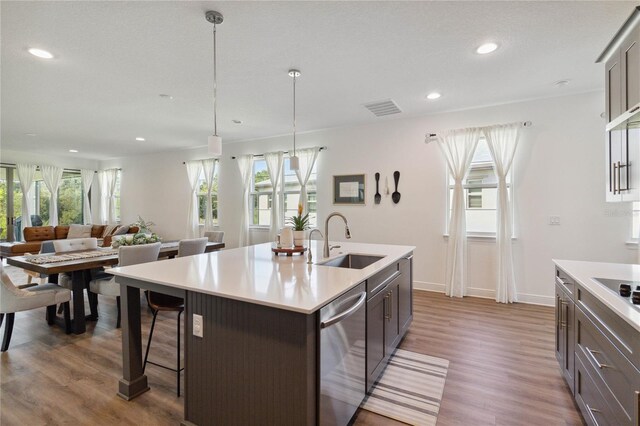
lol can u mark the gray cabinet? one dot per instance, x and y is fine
(599, 355)
(389, 314)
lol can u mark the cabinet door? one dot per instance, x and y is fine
(615, 181)
(613, 79)
(560, 336)
(630, 71)
(630, 175)
(568, 356)
(392, 331)
(376, 311)
(405, 296)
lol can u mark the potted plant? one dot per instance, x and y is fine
(300, 223)
(143, 225)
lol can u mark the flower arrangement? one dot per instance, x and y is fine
(299, 222)
(143, 225)
(135, 240)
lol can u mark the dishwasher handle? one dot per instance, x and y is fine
(337, 318)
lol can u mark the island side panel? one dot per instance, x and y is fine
(253, 365)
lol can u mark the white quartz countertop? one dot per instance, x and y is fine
(585, 272)
(255, 274)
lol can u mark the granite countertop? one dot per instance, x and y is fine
(254, 274)
(585, 272)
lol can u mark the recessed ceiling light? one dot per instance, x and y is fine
(486, 48)
(40, 53)
(433, 95)
(73, 150)
(165, 96)
(561, 83)
(140, 139)
(30, 134)
(237, 121)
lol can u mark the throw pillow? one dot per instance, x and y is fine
(79, 231)
(108, 230)
(122, 230)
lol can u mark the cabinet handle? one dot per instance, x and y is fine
(386, 300)
(390, 305)
(615, 173)
(593, 410)
(592, 354)
(636, 408)
(634, 109)
(563, 321)
(620, 167)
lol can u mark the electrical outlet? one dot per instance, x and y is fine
(198, 327)
(554, 220)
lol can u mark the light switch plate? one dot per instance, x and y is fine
(554, 220)
(198, 327)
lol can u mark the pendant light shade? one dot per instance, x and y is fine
(294, 161)
(215, 141)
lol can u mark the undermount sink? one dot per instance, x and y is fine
(352, 261)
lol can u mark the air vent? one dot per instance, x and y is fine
(383, 108)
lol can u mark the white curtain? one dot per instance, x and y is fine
(245, 164)
(458, 147)
(307, 160)
(503, 141)
(87, 179)
(209, 169)
(26, 174)
(104, 199)
(52, 177)
(111, 176)
(194, 168)
(274, 162)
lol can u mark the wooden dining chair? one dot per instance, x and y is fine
(127, 255)
(27, 297)
(163, 302)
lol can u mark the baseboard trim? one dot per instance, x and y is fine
(531, 299)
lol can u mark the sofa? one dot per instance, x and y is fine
(35, 235)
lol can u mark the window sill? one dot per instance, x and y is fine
(479, 237)
(259, 228)
(632, 244)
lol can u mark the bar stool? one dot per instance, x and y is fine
(163, 302)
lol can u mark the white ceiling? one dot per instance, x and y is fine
(113, 59)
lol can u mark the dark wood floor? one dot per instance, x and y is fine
(502, 368)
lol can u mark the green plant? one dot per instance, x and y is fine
(299, 222)
(135, 240)
(143, 225)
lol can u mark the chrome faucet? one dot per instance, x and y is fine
(309, 255)
(347, 233)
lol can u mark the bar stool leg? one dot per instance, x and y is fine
(146, 355)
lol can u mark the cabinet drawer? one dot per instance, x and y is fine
(592, 404)
(566, 282)
(382, 278)
(620, 380)
(621, 334)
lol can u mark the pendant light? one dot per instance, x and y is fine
(294, 161)
(215, 141)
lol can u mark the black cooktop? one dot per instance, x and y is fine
(629, 290)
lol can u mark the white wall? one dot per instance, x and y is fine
(559, 171)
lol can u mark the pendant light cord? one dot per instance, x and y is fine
(215, 84)
(294, 115)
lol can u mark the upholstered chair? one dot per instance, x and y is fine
(24, 298)
(214, 236)
(45, 247)
(127, 255)
(163, 302)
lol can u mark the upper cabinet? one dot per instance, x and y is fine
(622, 75)
(622, 111)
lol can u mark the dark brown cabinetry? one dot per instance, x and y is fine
(599, 354)
(389, 314)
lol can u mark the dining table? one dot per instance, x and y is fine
(78, 264)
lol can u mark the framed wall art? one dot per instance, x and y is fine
(349, 189)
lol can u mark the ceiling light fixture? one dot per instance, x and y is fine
(73, 150)
(43, 54)
(30, 134)
(237, 121)
(434, 95)
(140, 139)
(561, 83)
(165, 96)
(215, 141)
(294, 161)
(486, 48)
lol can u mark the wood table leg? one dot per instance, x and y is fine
(78, 283)
(133, 382)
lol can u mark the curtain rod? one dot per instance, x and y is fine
(322, 148)
(12, 165)
(428, 137)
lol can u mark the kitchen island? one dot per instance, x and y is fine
(265, 356)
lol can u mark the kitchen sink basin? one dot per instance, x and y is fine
(352, 261)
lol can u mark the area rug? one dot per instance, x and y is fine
(410, 389)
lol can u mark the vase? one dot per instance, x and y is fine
(298, 238)
(286, 237)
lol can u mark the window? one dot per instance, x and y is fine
(480, 192)
(117, 194)
(261, 196)
(202, 197)
(69, 198)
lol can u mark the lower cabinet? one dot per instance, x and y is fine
(389, 315)
(599, 356)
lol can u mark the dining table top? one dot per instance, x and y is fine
(109, 258)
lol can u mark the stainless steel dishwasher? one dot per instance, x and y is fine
(342, 357)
